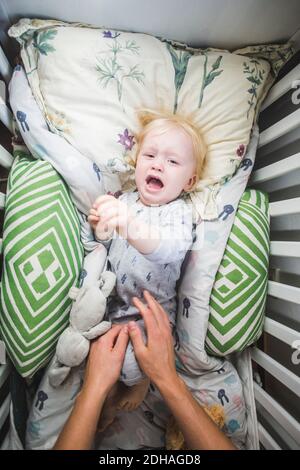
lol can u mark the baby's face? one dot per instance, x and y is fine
(165, 166)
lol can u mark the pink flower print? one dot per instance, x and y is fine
(184, 359)
(126, 140)
(202, 397)
(237, 400)
(240, 150)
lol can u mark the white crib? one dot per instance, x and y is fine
(230, 24)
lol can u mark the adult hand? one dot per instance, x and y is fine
(105, 359)
(157, 358)
(103, 368)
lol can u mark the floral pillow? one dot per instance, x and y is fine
(90, 81)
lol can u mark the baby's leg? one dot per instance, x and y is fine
(133, 396)
(124, 398)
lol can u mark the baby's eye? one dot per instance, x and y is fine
(149, 155)
(174, 162)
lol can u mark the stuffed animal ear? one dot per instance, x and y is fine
(107, 282)
(58, 374)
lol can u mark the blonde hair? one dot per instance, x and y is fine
(162, 121)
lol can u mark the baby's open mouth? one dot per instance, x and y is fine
(154, 183)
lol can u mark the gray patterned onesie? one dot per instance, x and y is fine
(157, 272)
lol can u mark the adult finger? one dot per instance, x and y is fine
(136, 338)
(148, 317)
(110, 337)
(154, 307)
(160, 314)
(122, 341)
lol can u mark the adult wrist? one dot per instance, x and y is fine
(96, 390)
(169, 384)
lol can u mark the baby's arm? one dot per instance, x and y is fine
(109, 214)
(175, 234)
(165, 243)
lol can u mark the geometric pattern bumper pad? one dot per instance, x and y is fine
(239, 293)
(42, 260)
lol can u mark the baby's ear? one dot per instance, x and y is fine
(190, 183)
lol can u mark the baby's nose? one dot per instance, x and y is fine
(157, 165)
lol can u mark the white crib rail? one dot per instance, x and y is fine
(278, 412)
(281, 87)
(276, 170)
(5, 67)
(281, 373)
(266, 439)
(4, 401)
(5, 113)
(280, 141)
(6, 160)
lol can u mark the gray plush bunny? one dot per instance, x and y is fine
(86, 317)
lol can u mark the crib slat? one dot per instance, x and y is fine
(277, 432)
(281, 127)
(280, 264)
(290, 223)
(281, 373)
(281, 87)
(288, 206)
(280, 331)
(276, 169)
(266, 439)
(5, 68)
(4, 410)
(284, 291)
(279, 146)
(284, 182)
(4, 371)
(278, 412)
(2, 200)
(6, 158)
(290, 249)
(5, 113)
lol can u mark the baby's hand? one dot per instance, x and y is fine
(112, 214)
(93, 218)
(101, 231)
